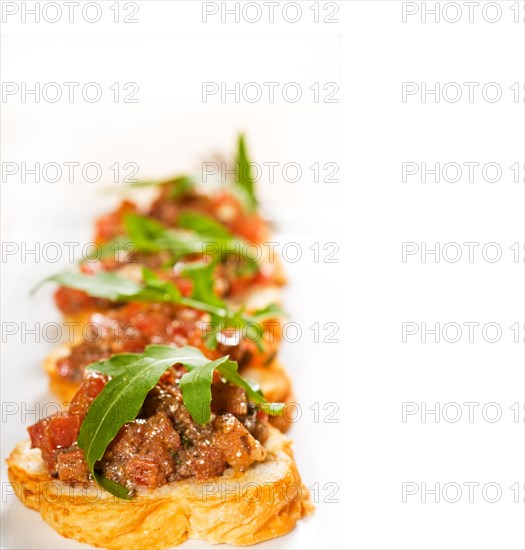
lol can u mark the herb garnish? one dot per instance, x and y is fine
(244, 180)
(198, 234)
(179, 185)
(114, 287)
(243, 183)
(133, 376)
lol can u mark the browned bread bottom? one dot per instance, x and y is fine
(262, 503)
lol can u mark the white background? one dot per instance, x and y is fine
(370, 293)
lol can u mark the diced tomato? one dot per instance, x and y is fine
(184, 285)
(239, 448)
(93, 267)
(91, 386)
(62, 431)
(54, 432)
(165, 210)
(143, 472)
(111, 225)
(151, 324)
(228, 398)
(71, 466)
(250, 227)
(228, 210)
(69, 300)
(36, 433)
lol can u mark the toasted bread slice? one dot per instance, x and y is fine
(59, 386)
(261, 503)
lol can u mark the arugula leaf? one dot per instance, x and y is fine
(112, 487)
(151, 236)
(180, 185)
(196, 390)
(198, 231)
(192, 356)
(202, 224)
(143, 232)
(201, 275)
(104, 284)
(244, 176)
(271, 311)
(114, 364)
(118, 403)
(219, 235)
(132, 377)
(114, 287)
(229, 371)
(243, 183)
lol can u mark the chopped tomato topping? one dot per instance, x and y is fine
(111, 225)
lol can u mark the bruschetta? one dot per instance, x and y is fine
(176, 398)
(153, 478)
(205, 251)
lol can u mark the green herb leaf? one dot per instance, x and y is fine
(271, 311)
(115, 364)
(200, 234)
(180, 185)
(203, 225)
(114, 287)
(143, 232)
(112, 487)
(104, 284)
(132, 377)
(119, 402)
(189, 356)
(196, 389)
(244, 176)
(229, 371)
(201, 274)
(151, 236)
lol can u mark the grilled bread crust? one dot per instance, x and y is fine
(245, 508)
